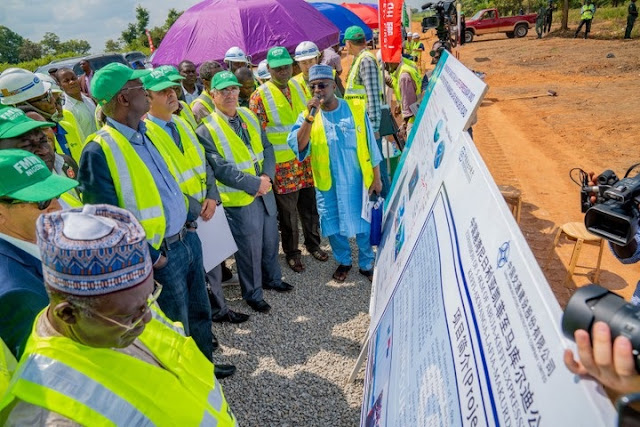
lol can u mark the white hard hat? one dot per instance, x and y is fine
(19, 86)
(49, 83)
(415, 35)
(262, 73)
(235, 54)
(306, 50)
(10, 70)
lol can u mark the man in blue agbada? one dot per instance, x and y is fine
(344, 161)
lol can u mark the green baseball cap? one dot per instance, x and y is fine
(224, 79)
(354, 33)
(171, 72)
(278, 56)
(14, 122)
(26, 177)
(108, 80)
(156, 81)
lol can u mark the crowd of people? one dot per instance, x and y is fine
(106, 176)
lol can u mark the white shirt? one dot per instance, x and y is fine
(84, 112)
(189, 97)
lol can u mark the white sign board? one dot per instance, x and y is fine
(465, 329)
(217, 241)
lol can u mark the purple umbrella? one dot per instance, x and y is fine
(205, 31)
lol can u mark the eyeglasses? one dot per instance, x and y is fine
(41, 205)
(151, 299)
(229, 90)
(48, 97)
(320, 86)
(134, 88)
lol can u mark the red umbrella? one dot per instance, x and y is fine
(367, 13)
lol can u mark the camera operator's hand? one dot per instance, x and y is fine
(611, 365)
(593, 179)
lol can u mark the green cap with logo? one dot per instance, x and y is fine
(26, 177)
(224, 79)
(171, 72)
(278, 56)
(354, 33)
(108, 80)
(157, 80)
(14, 122)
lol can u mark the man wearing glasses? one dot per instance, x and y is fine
(27, 189)
(101, 352)
(123, 167)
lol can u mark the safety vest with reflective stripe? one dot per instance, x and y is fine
(414, 49)
(409, 67)
(587, 11)
(357, 91)
(206, 100)
(158, 314)
(74, 140)
(281, 115)
(187, 115)
(308, 93)
(189, 164)
(234, 151)
(134, 183)
(8, 364)
(320, 161)
(103, 387)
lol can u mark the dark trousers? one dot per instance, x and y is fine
(216, 295)
(547, 22)
(630, 21)
(184, 293)
(384, 175)
(587, 29)
(290, 205)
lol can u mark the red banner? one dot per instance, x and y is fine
(390, 30)
(151, 48)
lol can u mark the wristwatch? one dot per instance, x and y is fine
(192, 225)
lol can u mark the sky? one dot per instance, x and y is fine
(93, 20)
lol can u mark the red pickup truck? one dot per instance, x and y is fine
(487, 21)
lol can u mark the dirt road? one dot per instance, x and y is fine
(593, 123)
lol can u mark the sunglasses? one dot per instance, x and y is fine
(320, 86)
(48, 97)
(41, 205)
(134, 88)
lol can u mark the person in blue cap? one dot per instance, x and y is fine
(345, 158)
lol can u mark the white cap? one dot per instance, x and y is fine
(306, 50)
(415, 36)
(49, 83)
(235, 54)
(19, 86)
(262, 73)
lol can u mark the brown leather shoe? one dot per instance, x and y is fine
(295, 264)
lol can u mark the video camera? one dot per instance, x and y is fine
(615, 215)
(443, 14)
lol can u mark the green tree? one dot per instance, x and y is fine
(172, 17)
(130, 34)
(112, 46)
(10, 43)
(29, 51)
(50, 43)
(142, 19)
(80, 47)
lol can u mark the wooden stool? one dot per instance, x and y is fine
(513, 197)
(578, 232)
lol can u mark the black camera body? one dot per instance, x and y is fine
(615, 215)
(593, 303)
(444, 15)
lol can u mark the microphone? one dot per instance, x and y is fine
(313, 110)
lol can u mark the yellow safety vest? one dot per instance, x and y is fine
(103, 387)
(587, 11)
(234, 151)
(74, 140)
(282, 116)
(409, 67)
(319, 150)
(188, 164)
(8, 364)
(187, 115)
(134, 183)
(206, 100)
(357, 91)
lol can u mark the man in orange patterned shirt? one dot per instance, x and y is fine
(277, 104)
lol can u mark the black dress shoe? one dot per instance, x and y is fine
(282, 287)
(260, 306)
(216, 344)
(231, 317)
(223, 371)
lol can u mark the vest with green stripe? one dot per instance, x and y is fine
(319, 150)
(187, 115)
(409, 67)
(282, 116)
(134, 183)
(74, 140)
(188, 163)
(103, 387)
(235, 151)
(206, 100)
(357, 91)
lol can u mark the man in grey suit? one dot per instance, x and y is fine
(243, 162)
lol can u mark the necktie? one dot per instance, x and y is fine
(174, 134)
